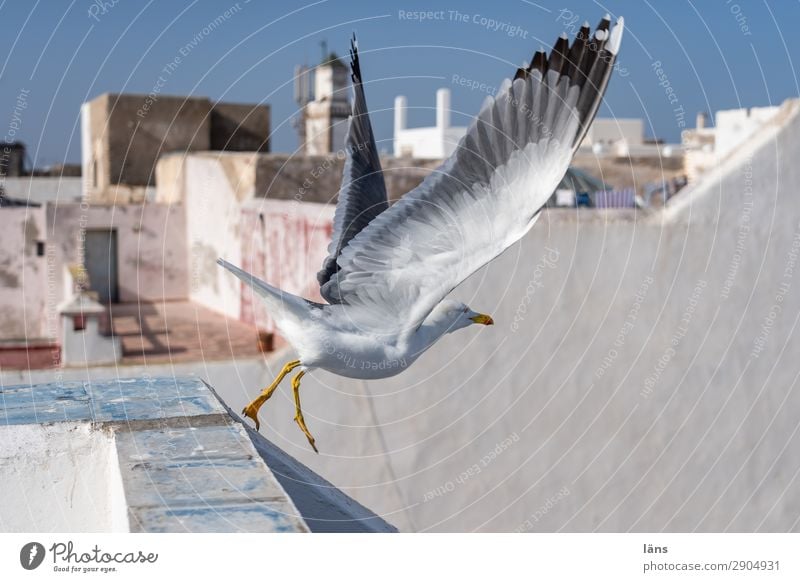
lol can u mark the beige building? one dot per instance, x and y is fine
(113, 126)
(324, 120)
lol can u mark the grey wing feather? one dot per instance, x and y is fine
(487, 195)
(362, 196)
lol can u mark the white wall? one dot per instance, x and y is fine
(151, 246)
(638, 376)
(428, 143)
(612, 130)
(733, 126)
(61, 477)
(212, 199)
(435, 143)
(40, 189)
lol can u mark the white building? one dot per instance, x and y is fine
(706, 146)
(623, 137)
(610, 136)
(734, 126)
(436, 142)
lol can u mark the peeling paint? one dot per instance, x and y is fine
(8, 279)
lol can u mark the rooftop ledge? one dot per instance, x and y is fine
(153, 455)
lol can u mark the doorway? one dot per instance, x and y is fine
(101, 263)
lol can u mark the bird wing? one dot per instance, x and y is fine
(486, 196)
(362, 196)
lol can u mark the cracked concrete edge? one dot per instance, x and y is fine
(324, 507)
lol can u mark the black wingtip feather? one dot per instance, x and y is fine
(576, 51)
(355, 67)
(539, 62)
(558, 55)
(587, 63)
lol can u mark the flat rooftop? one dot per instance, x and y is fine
(179, 331)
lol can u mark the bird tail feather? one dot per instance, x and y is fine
(279, 303)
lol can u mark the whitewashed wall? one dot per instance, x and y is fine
(215, 187)
(641, 375)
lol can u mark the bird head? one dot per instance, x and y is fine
(455, 315)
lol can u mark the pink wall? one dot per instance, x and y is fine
(283, 243)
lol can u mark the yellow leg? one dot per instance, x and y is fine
(298, 417)
(251, 410)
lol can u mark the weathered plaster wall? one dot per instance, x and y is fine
(40, 189)
(151, 246)
(245, 208)
(23, 274)
(284, 243)
(61, 477)
(125, 135)
(281, 176)
(214, 190)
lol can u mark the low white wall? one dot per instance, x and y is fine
(61, 477)
(41, 189)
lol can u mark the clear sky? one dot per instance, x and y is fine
(713, 54)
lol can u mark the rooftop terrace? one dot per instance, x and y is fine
(153, 455)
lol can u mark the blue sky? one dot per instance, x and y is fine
(713, 55)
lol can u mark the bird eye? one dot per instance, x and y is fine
(466, 309)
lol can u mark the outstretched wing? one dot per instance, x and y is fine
(486, 196)
(363, 193)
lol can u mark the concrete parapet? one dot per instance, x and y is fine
(153, 455)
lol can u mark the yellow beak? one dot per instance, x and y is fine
(484, 319)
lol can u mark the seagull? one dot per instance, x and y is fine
(390, 268)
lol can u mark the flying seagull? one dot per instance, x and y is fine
(390, 268)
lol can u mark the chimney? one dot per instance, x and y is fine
(442, 109)
(399, 115)
(701, 120)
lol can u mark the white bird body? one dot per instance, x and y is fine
(328, 337)
(354, 355)
(325, 342)
(390, 268)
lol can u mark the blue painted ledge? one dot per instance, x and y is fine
(187, 463)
